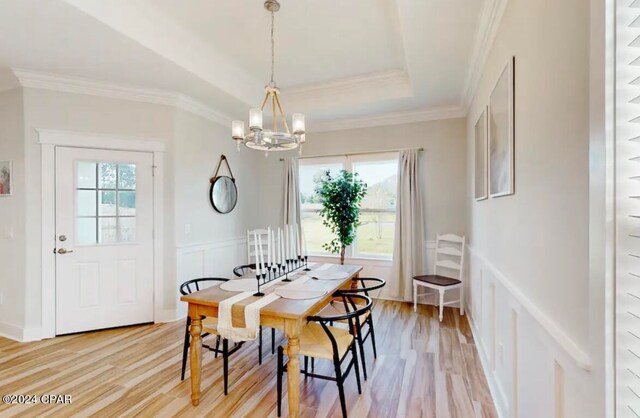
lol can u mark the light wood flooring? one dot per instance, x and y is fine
(424, 369)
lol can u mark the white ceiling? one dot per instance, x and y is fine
(336, 61)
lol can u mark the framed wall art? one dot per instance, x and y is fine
(481, 155)
(501, 133)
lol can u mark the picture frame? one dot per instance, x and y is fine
(501, 133)
(481, 153)
(6, 172)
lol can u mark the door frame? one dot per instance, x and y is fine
(49, 140)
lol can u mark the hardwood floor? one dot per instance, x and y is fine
(424, 369)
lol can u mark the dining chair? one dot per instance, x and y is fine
(448, 267)
(318, 339)
(252, 245)
(363, 285)
(209, 327)
(245, 271)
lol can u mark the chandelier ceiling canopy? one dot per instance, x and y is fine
(274, 139)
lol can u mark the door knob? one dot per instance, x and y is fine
(63, 251)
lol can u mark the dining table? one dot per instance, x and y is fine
(288, 315)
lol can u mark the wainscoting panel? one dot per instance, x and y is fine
(209, 259)
(532, 367)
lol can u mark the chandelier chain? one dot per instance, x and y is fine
(272, 51)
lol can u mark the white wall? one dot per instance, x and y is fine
(209, 243)
(529, 259)
(192, 148)
(12, 215)
(443, 166)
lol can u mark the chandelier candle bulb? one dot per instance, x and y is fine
(255, 119)
(237, 130)
(298, 123)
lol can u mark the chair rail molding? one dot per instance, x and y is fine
(532, 366)
(580, 357)
(214, 258)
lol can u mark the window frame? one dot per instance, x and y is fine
(347, 161)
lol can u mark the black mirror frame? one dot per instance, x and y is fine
(213, 183)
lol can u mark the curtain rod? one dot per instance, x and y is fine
(349, 154)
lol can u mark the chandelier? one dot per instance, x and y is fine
(270, 139)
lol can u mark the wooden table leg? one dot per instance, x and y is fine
(196, 356)
(292, 331)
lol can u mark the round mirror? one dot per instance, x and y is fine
(223, 194)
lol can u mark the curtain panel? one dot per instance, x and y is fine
(291, 203)
(408, 252)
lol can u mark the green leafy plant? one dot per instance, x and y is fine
(340, 197)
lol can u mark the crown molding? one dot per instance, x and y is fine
(67, 84)
(392, 119)
(492, 12)
(349, 91)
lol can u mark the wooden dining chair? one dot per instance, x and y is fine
(448, 269)
(363, 285)
(318, 339)
(209, 327)
(245, 271)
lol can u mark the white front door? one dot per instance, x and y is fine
(104, 239)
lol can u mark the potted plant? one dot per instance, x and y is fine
(340, 197)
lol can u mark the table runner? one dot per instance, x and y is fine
(240, 322)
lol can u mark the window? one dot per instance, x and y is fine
(375, 235)
(105, 203)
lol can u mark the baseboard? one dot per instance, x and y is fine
(167, 315)
(20, 334)
(496, 395)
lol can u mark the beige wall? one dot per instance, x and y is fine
(530, 251)
(192, 148)
(443, 163)
(539, 236)
(199, 145)
(12, 213)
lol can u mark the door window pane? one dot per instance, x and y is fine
(107, 174)
(126, 203)
(85, 231)
(105, 202)
(107, 231)
(127, 229)
(86, 175)
(86, 202)
(127, 176)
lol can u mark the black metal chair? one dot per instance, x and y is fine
(320, 340)
(245, 271)
(365, 285)
(209, 327)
